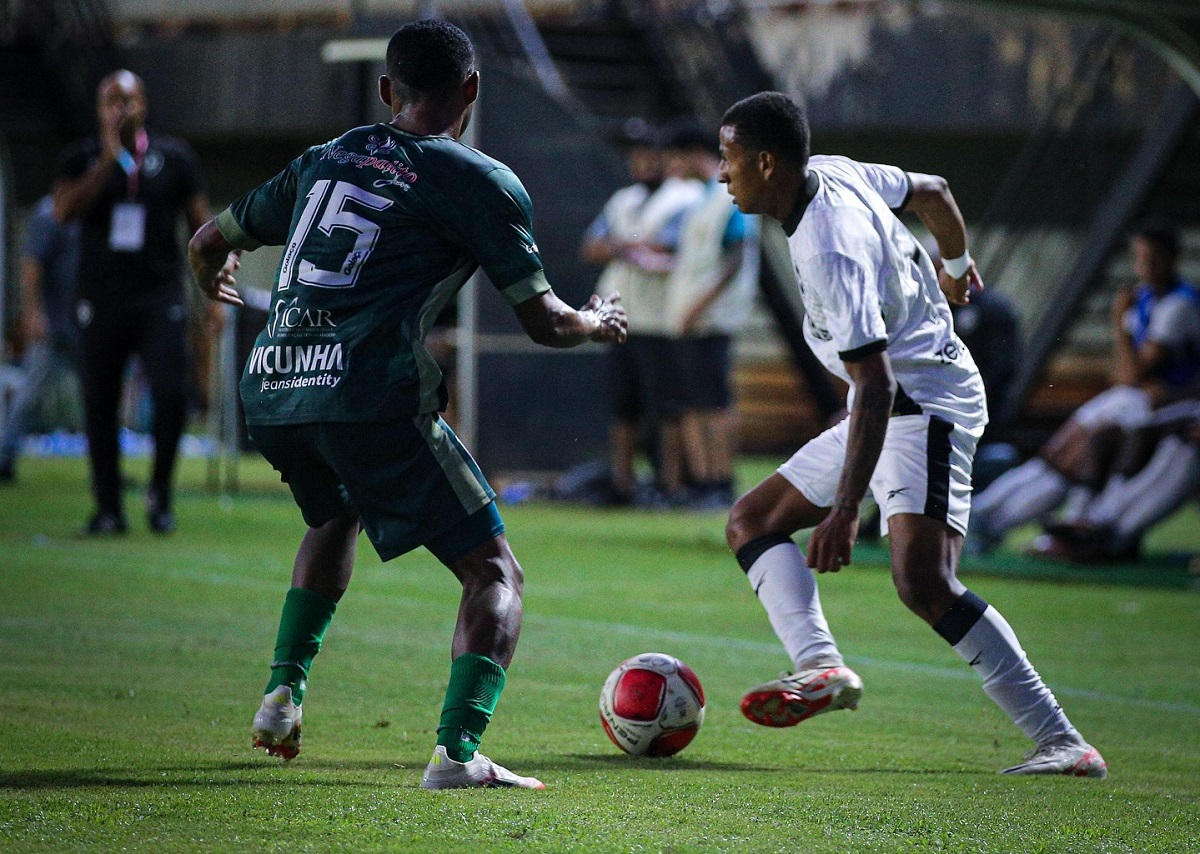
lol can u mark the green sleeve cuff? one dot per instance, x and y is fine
(232, 231)
(527, 288)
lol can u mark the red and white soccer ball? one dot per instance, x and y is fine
(652, 705)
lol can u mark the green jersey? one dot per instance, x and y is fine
(381, 229)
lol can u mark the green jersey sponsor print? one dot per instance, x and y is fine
(380, 229)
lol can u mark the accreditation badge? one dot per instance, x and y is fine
(128, 230)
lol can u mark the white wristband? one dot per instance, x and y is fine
(957, 267)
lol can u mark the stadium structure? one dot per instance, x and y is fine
(1057, 123)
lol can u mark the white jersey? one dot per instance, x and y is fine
(867, 285)
(635, 215)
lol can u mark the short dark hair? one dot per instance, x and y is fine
(1161, 232)
(430, 55)
(771, 121)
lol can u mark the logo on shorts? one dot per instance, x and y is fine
(892, 493)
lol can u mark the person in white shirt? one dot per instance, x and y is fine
(627, 237)
(710, 293)
(877, 315)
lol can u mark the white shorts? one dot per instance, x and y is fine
(924, 468)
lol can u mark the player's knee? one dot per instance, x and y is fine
(490, 567)
(741, 527)
(928, 598)
(745, 523)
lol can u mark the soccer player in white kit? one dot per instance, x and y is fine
(876, 315)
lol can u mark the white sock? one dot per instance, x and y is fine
(787, 588)
(1157, 490)
(1034, 490)
(985, 640)
(1075, 508)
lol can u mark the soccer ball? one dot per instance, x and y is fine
(652, 705)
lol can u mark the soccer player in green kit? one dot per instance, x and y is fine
(382, 226)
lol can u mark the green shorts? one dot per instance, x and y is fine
(411, 482)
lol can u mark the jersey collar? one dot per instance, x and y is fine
(812, 184)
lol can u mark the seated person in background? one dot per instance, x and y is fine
(1156, 330)
(1156, 469)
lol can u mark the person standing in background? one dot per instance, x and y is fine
(128, 187)
(627, 237)
(710, 291)
(49, 269)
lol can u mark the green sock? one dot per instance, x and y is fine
(475, 685)
(306, 616)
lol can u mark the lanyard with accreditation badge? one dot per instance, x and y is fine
(128, 229)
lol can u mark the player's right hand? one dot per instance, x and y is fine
(958, 291)
(223, 286)
(613, 325)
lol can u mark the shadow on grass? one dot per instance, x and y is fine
(597, 762)
(267, 773)
(201, 776)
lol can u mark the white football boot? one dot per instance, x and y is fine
(797, 697)
(1068, 754)
(277, 724)
(478, 772)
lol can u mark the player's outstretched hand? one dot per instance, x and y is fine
(958, 291)
(610, 316)
(222, 287)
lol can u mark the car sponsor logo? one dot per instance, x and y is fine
(289, 318)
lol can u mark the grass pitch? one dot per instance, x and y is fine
(130, 669)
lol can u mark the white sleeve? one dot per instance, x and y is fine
(848, 293)
(890, 182)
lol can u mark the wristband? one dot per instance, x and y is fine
(957, 267)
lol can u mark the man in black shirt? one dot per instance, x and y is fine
(128, 187)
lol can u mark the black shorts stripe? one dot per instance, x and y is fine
(937, 461)
(902, 404)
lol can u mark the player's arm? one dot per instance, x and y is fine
(259, 218)
(549, 321)
(214, 260)
(74, 197)
(934, 204)
(831, 543)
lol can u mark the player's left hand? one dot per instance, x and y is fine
(832, 541)
(958, 291)
(610, 314)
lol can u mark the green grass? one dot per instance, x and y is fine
(130, 668)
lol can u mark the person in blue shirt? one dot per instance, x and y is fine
(1156, 348)
(49, 274)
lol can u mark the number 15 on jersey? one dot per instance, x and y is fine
(332, 207)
